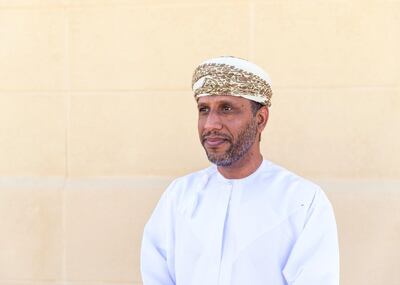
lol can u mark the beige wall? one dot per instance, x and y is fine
(97, 117)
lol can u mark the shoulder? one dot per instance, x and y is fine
(286, 180)
(183, 187)
(287, 189)
(191, 179)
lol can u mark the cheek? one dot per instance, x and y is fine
(234, 125)
(201, 121)
(200, 125)
(237, 127)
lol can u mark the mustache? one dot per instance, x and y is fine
(215, 134)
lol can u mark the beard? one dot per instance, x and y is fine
(237, 148)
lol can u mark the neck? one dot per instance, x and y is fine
(243, 167)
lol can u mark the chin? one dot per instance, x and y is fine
(219, 150)
(216, 154)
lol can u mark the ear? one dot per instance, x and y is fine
(262, 118)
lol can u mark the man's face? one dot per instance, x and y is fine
(227, 128)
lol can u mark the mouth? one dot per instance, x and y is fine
(214, 142)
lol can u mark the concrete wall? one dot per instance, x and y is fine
(97, 117)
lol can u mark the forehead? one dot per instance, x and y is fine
(226, 99)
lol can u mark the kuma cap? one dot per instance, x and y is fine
(232, 76)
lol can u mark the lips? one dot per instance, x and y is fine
(214, 141)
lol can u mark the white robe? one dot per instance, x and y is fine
(270, 228)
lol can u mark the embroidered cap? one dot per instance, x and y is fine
(227, 75)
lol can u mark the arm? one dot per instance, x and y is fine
(156, 246)
(314, 259)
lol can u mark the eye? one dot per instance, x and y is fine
(203, 109)
(227, 108)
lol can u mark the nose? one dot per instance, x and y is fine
(212, 122)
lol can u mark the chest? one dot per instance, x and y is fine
(231, 238)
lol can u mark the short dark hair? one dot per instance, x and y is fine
(255, 106)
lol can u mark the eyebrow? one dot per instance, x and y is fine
(234, 104)
(220, 103)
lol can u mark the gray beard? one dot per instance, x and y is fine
(237, 149)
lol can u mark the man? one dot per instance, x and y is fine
(243, 220)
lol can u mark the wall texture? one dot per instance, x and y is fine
(97, 117)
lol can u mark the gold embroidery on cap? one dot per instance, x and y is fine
(224, 79)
